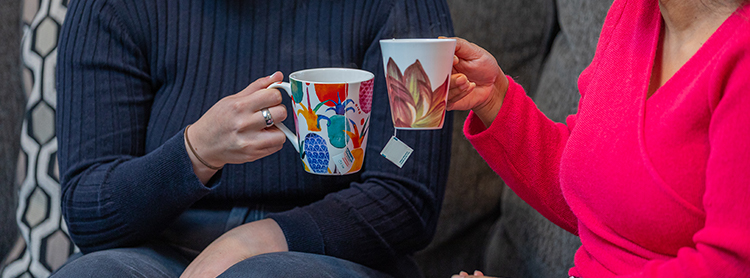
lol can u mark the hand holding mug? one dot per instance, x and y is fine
(477, 82)
(234, 130)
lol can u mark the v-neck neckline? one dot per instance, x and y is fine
(696, 58)
(701, 56)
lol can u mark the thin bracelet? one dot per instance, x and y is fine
(196, 154)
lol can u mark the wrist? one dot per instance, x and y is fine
(202, 168)
(490, 108)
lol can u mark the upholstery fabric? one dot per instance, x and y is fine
(523, 243)
(46, 245)
(11, 113)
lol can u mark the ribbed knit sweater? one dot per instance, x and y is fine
(655, 186)
(131, 74)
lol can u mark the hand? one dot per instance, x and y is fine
(477, 273)
(248, 240)
(233, 130)
(477, 82)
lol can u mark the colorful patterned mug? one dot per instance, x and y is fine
(331, 118)
(418, 76)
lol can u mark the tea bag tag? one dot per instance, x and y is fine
(396, 151)
(344, 161)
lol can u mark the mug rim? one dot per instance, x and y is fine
(293, 74)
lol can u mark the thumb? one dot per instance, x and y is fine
(262, 83)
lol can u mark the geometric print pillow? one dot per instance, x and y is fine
(44, 244)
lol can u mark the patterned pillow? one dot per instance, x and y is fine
(45, 244)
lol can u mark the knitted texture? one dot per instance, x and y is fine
(132, 74)
(655, 187)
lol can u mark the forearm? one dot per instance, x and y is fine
(118, 201)
(524, 147)
(369, 223)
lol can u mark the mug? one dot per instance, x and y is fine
(331, 118)
(418, 76)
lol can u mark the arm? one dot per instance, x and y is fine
(507, 129)
(524, 147)
(392, 211)
(110, 185)
(389, 212)
(116, 190)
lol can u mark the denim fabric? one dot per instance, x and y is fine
(158, 260)
(153, 260)
(296, 264)
(195, 229)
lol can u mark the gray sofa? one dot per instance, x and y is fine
(543, 45)
(11, 114)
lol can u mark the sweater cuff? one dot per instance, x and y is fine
(301, 232)
(187, 164)
(474, 128)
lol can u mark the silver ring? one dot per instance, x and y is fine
(267, 116)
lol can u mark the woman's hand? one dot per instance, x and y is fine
(463, 274)
(233, 130)
(477, 82)
(248, 240)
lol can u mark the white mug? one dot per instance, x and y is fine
(334, 105)
(418, 76)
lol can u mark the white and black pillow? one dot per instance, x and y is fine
(44, 245)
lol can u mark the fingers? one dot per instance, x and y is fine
(463, 274)
(278, 114)
(460, 275)
(266, 142)
(262, 83)
(254, 102)
(460, 87)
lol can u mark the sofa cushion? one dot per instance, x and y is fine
(11, 113)
(46, 244)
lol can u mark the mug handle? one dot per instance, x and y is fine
(289, 134)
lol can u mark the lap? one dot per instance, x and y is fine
(150, 260)
(161, 260)
(295, 264)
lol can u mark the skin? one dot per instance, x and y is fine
(478, 83)
(233, 131)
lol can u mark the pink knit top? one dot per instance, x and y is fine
(654, 187)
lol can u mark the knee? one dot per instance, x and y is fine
(295, 264)
(266, 265)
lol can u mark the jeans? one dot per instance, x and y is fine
(157, 260)
(170, 253)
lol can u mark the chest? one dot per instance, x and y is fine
(637, 165)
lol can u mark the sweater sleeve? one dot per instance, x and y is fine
(114, 194)
(524, 147)
(722, 246)
(391, 211)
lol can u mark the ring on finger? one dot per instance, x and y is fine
(267, 117)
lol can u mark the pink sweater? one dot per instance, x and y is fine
(654, 187)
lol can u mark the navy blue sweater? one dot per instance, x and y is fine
(132, 74)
